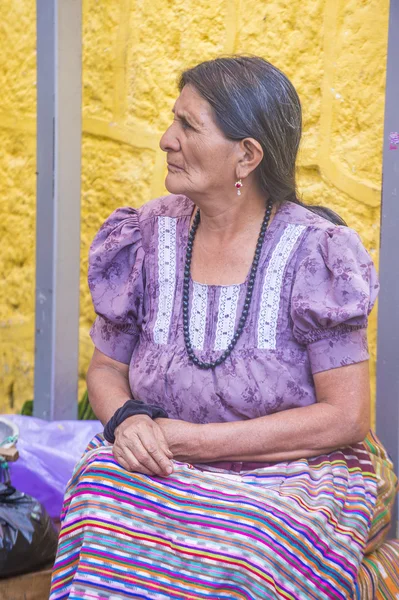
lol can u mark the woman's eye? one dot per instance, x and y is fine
(185, 124)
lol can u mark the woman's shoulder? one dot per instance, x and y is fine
(317, 230)
(299, 214)
(136, 226)
(326, 251)
(172, 205)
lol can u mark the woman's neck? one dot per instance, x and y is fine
(223, 219)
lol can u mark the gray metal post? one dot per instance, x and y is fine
(59, 74)
(388, 309)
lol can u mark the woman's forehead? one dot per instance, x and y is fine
(190, 103)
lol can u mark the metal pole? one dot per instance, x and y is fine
(59, 74)
(388, 310)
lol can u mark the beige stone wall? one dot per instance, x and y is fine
(333, 50)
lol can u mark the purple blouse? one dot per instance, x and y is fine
(314, 289)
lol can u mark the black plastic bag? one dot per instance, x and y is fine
(28, 539)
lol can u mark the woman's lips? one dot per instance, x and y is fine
(172, 166)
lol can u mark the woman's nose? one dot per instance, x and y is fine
(169, 142)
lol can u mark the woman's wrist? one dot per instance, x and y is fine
(183, 438)
(129, 409)
(133, 419)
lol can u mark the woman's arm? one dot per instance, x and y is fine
(340, 417)
(140, 444)
(107, 385)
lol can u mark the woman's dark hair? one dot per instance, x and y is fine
(252, 98)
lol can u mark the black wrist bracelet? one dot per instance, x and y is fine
(130, 409)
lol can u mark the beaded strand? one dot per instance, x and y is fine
(248, 297)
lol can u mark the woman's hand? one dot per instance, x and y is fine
(140, 446)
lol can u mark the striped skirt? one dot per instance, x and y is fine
(292, 530)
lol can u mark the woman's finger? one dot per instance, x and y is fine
(120, 459)
(127, 460)
(147, 452)
(162, 441)
(157, 449)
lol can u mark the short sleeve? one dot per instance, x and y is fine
(334, 290)
(116, 282)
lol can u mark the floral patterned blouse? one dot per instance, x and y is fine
(314, 289)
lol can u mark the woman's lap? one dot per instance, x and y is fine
(291, 530)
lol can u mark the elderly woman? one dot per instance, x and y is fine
(230, 371)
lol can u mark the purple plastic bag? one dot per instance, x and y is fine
(48, 452)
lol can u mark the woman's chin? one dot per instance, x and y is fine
(173, 185)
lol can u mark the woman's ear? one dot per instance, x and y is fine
(251, 155)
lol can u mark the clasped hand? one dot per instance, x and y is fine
(140, 446)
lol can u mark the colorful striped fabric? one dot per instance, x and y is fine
(387, 487)
(293, 530)
(379, 573)
(378, 578)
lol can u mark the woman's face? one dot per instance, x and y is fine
(201, 160)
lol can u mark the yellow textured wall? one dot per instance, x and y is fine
(333, 50)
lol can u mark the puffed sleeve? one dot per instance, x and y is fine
(117, 281)
(334, 290)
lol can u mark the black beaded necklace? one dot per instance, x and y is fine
(248, 297)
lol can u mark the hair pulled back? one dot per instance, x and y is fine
(252, 98)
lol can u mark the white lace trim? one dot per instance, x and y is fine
(166, 277)
(270, 301)
(227, 313)
(198, 315)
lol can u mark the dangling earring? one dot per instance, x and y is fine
(238, 185)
